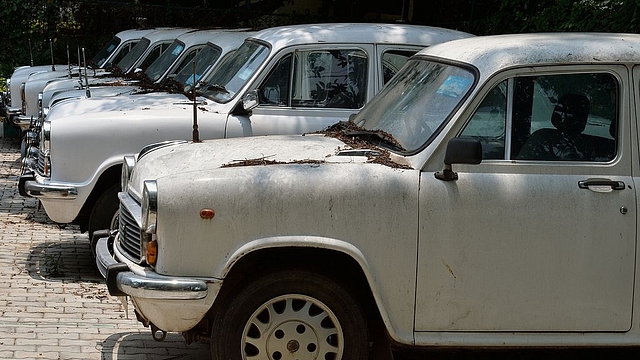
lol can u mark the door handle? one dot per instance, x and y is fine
(601, 185)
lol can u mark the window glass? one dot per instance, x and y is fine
(162, 63)
(122, 53)
(330, 79)
(102, 55)
(568, 117)
(128, 60)
(488, 123)
(204, 60)
(393, 61)
(275, 89)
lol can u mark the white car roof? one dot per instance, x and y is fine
(228, 40)
(164, 34)
(283, 36)
(203, 36)
(133, 34)
(493, 53)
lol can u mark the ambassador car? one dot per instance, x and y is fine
(285, 80)
(485, 197)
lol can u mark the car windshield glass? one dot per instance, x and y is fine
(155, 71)
(234, 72)
(106, 51)
(204, 61)
(416, 102)
(127, 62)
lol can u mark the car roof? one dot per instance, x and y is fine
(283, 36)
(203, 36)
(228, 40)
(164, 34)
(493, 53)
(133, 33)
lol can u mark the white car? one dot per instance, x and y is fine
(112, 52)
(141, 57)
(485, 197)
(286, 80)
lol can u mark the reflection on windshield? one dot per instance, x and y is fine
(414, 104)
(127, 62)
(161, 64)
(234, 72)
(204, 60)
(102, 56)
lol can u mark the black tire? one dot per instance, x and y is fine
(299, 312)
(104, 214)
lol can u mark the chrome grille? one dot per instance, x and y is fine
(129, 231)
(40, 163)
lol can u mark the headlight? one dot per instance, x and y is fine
(149, 206)
(45, 136)
(127, 168)
(39, 101)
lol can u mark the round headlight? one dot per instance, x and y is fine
(149, 206)
(127, 168)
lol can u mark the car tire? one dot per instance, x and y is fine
(104, 214)
(290, 314)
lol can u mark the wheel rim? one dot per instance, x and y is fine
(293, 327)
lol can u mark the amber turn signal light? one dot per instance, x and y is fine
(152, 252)
(207, 214)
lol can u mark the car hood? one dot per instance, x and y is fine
(98, 107)
(200, 158)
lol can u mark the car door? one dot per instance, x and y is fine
(541, 235)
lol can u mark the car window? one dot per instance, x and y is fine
(567, 117)
(393, 61)
(275, 89)
(330, 79)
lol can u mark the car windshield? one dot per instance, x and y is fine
(127, 62)
(416, 102)
(234, 72)
(204, 61)
(106, 51)
(161, 64)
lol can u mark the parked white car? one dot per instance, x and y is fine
(142, 56)
(112, 52)
(286, 80)
(485, 197)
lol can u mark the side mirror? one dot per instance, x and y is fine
(250, 100)
(459, 151)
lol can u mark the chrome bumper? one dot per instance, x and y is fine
(35, 186)
(23, 121)
(121, 280)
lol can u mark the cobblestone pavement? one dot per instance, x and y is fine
(53, 301)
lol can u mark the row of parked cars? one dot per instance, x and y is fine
(328, 191)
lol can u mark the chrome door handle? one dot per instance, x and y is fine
(601, 184)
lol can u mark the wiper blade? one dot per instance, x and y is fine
(376, 137)
(218, 87)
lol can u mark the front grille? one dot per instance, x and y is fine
(129, 230)
(41, 162)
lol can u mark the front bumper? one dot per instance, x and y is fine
(23, 121)
(121, 280)
(170, 303)
(33, 185)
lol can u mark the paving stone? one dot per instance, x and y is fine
(54, 303)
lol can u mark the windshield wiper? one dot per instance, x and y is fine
(217, 87)
(376, 137)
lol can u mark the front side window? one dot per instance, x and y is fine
(234, 72)
(127, 62)
(106, 51)
(317, 79)
(414, 105)
(393, 61)
(162, 63)
(153, 55)
(567, 117)
(124, 50)
(204, 60)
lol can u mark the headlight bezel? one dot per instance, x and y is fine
(127, 168)
(149, 206)
(45, 136)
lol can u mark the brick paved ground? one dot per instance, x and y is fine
(53, 302)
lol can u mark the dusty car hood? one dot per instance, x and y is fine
(125, 102)
(199, 158)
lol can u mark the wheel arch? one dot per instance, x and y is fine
(333, 262)
(108, 177)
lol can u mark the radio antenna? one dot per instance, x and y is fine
(86, 78)
(68, 59)
(196, 133)
(53, 63)
(30, 52)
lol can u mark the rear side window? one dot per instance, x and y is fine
(566, 117)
